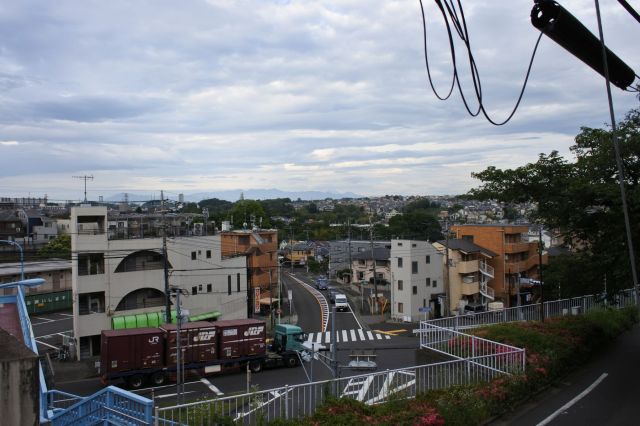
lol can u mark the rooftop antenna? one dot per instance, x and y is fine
(85, 178)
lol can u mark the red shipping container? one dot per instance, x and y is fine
(134, 349)
(198, 342)
(241, 338)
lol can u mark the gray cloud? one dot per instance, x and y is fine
(241, 94)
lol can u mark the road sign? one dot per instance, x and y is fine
(425, 309)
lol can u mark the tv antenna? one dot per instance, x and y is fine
(85, 178)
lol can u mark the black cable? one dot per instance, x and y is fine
(451, 14)
(629, 9)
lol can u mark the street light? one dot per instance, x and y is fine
(32, 282)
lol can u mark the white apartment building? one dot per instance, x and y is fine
(417, 280)
(126, 277)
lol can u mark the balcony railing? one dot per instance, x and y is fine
(487, 270)
(516, 247)
(471, 288)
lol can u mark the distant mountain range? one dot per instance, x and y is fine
(234, 195)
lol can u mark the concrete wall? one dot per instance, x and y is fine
(19, 383)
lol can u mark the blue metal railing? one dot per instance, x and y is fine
(110, 405)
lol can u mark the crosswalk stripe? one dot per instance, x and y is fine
(346, 336)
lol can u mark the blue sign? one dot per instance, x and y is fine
(425, 309)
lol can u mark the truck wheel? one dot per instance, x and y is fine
(135, 382)
(291, 361)
(255, 366)
(158, 378)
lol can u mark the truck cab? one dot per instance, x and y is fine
(288, 337)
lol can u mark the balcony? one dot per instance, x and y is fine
(516, 247)
(487, 270)
(470, 288)
(467, 267)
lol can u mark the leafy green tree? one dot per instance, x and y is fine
(243, 210)
(59, 247)
(582, 199)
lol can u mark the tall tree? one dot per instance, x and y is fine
(582, 199)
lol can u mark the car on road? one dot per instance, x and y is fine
(322, 283)
(332, 294)
(341, 302)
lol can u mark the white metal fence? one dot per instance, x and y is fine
(302, 400)
(476, 350)
(572, 306)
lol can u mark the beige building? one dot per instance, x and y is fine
(56, 275)
(468, 273)
(126, 277)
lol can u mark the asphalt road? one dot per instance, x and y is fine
(49, 330)
(605, 392)
(392, 352)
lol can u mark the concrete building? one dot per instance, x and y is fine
(260, 246)
(416, 268)
(469, 275)
(363, 266)
(341, 253)
(56, 275)
(125, 277)
(515, 258)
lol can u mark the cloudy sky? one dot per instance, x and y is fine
(329, 95)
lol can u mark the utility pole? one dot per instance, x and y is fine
(375, 277)
(165, 263)
(540, 273)
(179, 371)
(447, 287)
(85, 178)
(349, 246)
(291, 247)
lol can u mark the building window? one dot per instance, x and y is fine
(399, 244)
(91, 303)
(428, 282)
(435, 283)
(209, 288)
(208, 254)
(400, 285)
(428, 259)
(91, 263)
(361, 262)
(415, 289)
(229, 284)
(414, 267)
(200, 288)
(399, 262)
(238, 282)
(414, 245)
(194, 290)
(400, 307)
(193, 255)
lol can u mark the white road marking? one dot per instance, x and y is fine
(46, 344)
(386, 336)
(370, 335)
(327, 336)
(49, 321)
(361, 334)
(378, 336)
(66, 315)
(172, 394)
(44, 319)
(319, 338)
(353, 335)
(62, 333)
(568, 405)
(211, 386)
(344, 336)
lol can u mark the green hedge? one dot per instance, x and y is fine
(553, 348)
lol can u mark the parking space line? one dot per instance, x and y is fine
(46, 344)
(211, 386)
